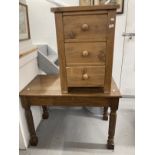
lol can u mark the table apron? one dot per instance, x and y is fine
(72, 101)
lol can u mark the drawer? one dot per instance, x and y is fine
(89, 76)
(85, 28)
(85, 53)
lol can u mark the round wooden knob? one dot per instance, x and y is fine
(85, 27)
(85, 53)
(85, 76)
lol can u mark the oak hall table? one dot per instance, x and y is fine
(45, 90)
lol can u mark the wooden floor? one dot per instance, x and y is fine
(76, 131)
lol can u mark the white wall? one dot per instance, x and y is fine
(119, 43)
(42, 23)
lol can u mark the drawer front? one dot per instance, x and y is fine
(85, 28)
(85, 53)
(90, 76)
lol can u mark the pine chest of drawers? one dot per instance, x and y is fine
(85, 38)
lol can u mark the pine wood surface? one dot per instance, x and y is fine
(88, 76)
(85, 38)
(61, 51)
(75, 54)
(85, 8)
(97, 27)
(48, 85)
(24, 53)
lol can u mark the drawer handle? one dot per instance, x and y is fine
(85, 27)
(111, 26)
(112, 19)
(72, 35)
(85, 53)
(85, 76)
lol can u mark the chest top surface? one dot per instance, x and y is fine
(85, 8)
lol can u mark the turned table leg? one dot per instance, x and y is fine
(29, 118)
(105, 113)
(112, 125)
(45, 112)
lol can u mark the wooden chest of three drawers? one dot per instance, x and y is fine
(85, 38)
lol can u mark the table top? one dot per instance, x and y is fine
(49, 85)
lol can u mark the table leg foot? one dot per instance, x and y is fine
(28, 113)
(105, 114)
(112, 125)
(110, 145)
(45, 114)
(33, 140)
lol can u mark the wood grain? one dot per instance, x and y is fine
(29, 118)
(85, 13)
(97, 26)
(48, 85)
(61, 51)
(22, 54)
(86, 38)
(74, 53)
(105, 113)
(109, 55)
(95, 76)
(85, 8)
(112, 125)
